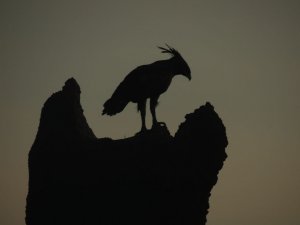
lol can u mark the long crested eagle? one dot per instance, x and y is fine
(147, 81)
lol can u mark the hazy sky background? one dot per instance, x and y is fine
(244, 57)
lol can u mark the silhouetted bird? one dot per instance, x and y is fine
(147, 81)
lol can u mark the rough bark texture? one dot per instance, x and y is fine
(151, 178)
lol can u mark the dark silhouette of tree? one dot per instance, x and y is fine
(147, 81)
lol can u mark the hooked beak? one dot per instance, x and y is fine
(189, 76)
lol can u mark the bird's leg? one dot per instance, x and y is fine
(142, 109)
(153, 104)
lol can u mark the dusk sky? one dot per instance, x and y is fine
(245, 60)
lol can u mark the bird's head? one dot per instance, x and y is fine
(180, 65)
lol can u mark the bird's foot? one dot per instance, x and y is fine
(158, 128)
(142, 131)
(158, 125)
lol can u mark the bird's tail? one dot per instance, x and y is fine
(113, 106)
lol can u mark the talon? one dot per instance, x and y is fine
(162, 124)
(158, 125)
(142, 131)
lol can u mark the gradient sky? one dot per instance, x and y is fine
(244, 57)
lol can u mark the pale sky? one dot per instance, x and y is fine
(244, 57)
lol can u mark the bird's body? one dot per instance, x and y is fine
(142, 83)
(146, 81)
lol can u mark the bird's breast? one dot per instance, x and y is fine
(162, 84)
